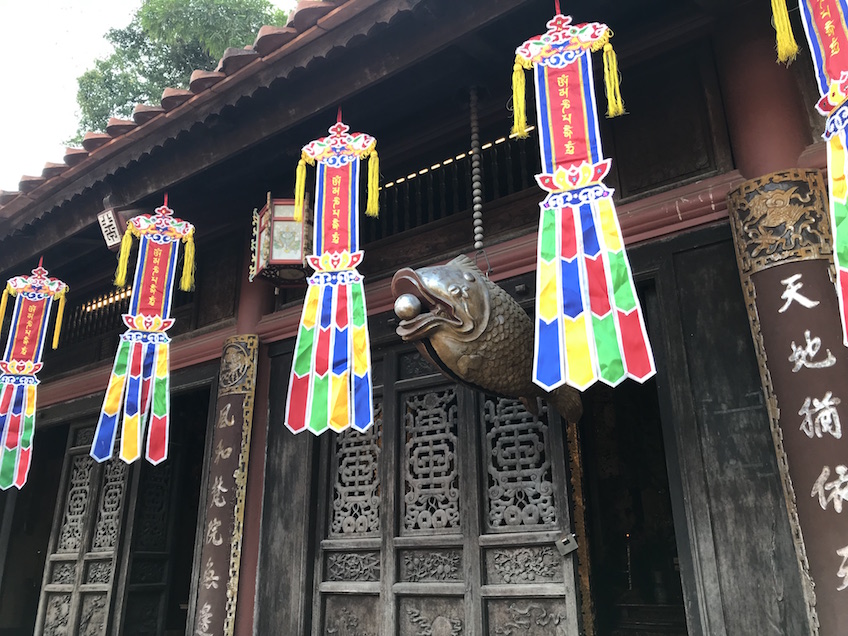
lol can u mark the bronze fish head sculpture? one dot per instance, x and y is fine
(473, 331)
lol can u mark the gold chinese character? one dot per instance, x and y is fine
(834, 47)
(569, 148)
(829, 28)
(335, 237)
(567, 131)
(335, 224)
(151, 301)
(337, 180)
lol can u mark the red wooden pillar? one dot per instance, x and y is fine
(233, 499)
(781, 230)
(765, 112)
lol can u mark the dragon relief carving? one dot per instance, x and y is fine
(777, 222)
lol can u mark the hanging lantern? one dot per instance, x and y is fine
(330, 385)
(589, 324)
(140, 380)
(34, 296)
(280, 243)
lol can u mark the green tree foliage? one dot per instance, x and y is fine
(165, 41)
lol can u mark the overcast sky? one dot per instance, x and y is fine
(44, 46)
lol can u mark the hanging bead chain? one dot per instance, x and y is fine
(476, 173)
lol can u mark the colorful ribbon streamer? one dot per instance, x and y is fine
(140, 380)
(330, 385)
(827, 33)
(21, 361)
(589, 324)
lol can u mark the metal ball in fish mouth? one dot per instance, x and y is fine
(407, 306)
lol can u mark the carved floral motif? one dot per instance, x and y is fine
(526, 565)
(353, 566)
(431, 566)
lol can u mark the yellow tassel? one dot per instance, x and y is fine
(373, 206)
(519, 102)
(615, 106)
(787, 47)
(3, 302)
(60, 313)
(187, 280)
(123, 258)
(299, 189)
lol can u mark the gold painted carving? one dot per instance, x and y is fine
(238, 517)
(238, 365)
(238, 376)
(776, 219)
(780, 218)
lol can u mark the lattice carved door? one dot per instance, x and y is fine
(107, 568)
(441, 520)
(78, 586)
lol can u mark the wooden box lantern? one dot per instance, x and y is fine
(280, 243)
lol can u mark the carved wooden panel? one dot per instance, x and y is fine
(76, 504)
(64, 573)
(351, 616)
(356, 483)
(57, 615)
(520, 492)
(151, 532)
(527, 617)
(143, 614)
(109, 510)
(418, 566)
(438, 616)
(352, 566)
(529, 564)
(413, 365)
(98, 572)
(93, 615)
(431, 483)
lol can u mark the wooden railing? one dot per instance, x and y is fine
(440, 190)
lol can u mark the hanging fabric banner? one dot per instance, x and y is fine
(140, 376)
(589, 324)
(827, 33)
(34, 295)
(330, 385)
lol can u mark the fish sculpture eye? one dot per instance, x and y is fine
(469, 277)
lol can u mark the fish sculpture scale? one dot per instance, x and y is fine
(474, 332)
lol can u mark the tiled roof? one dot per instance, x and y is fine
(310, 20)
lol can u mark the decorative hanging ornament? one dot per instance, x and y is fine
(21, 361)
(589, 324)
(140, 376)
(330, 385)
(827, 33)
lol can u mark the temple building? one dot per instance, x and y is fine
(667, 508)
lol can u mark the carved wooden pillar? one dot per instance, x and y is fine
(781, 230)
(224, 499)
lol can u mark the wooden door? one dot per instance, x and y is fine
(78, 588)
(442, 519)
